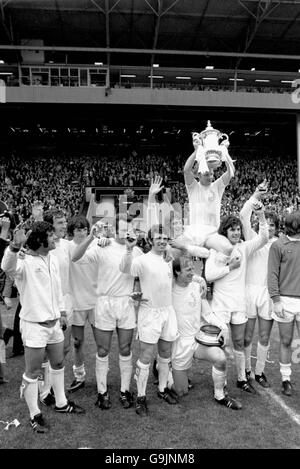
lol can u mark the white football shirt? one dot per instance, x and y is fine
(155, 276)
(111, 281)
(205, 202)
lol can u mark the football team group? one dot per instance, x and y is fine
(117, 277)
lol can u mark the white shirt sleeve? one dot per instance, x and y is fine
(92, 254)
(12, 265)
(126, 261)
(214, 269)
(259, 241)
(245, 217)
(220, 185)
(136, 268)
(197, 251)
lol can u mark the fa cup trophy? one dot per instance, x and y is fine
(211, 148)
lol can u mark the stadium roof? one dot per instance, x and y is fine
(183, 33)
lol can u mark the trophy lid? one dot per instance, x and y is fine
(209, 126)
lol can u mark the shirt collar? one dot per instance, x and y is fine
(292, 239)
(287, 239)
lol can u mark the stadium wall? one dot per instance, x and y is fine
(147, 96)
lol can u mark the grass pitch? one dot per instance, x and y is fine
(197, 422)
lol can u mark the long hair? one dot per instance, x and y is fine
(230, 221)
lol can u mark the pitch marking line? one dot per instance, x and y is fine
(290, 412)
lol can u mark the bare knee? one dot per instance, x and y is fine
(102, 351)
(164, 350)
(125, 349)
(264, 339)
(238, 344)
(220, 360)
(146, 356)
(247, 341)
(58, 364)
(286, 341)
(165, 353)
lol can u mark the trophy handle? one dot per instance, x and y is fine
(197, 139)
(224, 140)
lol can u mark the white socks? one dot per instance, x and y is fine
(44, 383)
(141, 377)
(79, 372)
(262, 353)
(57, 379)
(2, 352)
(286, 371)
(101, 373)
(29, 389)
(170, 381)
(125, 363)
(247, 351)
(219, 379)
(239, 357)
(163, 372)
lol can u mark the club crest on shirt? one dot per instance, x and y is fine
(192, 300)
(211, 196)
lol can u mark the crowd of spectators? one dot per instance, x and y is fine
(196, 86)
(60, 180)
(54, 181)
(132, 170)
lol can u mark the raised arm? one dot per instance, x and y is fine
(153, 206)
(9, 262)
(187, 170)
(229, 166)
(245, 217)
(263, 234)
(228, 173)
(246, 212)
(80, 249)
(130, 254)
